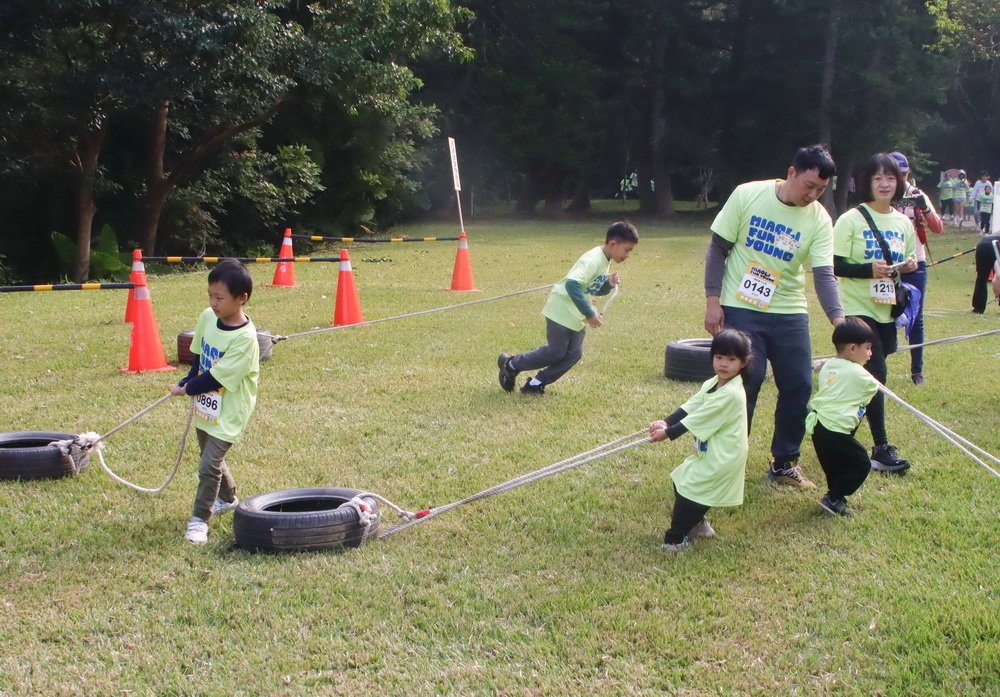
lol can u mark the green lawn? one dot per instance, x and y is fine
(558, 588)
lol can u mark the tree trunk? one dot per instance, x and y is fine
(731, 171)
(88, 151)
(846, 171)
(158, 186)
(581, 197)
(826, 97)
(660, 199)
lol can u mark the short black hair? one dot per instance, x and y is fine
(623, 231)
(880, 162)
(733, 342)
(815, 157)
(852, 331)
(234, 276)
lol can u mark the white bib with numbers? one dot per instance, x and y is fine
(208, 405)
(883, 291)
(758, 285)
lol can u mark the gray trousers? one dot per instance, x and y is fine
(214, 479)
(564, 350)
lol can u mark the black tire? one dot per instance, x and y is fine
(299, 520)
(688, 360)
(265, 340)
(31, 455)
(184, 354)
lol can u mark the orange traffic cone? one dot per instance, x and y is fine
(461, 278)
(347, 309)
(138, 272)
(145, 352)
(284, 272)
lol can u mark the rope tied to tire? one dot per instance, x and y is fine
(91, 442)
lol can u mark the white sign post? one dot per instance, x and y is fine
(458, 182)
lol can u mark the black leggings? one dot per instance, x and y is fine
(686, 515)
(843, 459)
(883, 344)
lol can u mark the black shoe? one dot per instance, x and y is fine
(507, 374)
(918, 379)
(886, 459)
(835, 506)
(532, 389)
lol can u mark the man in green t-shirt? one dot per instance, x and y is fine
(568, 313)
(763, 238)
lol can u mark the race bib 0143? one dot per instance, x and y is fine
(758, 285)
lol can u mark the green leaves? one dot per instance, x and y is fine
(105, 259)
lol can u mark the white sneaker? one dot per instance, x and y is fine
(197, 531)
(702, 529)
(221, 506)
(681, 546)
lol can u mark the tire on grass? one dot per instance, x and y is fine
(688, 360)
(32, 455)
(299, 520)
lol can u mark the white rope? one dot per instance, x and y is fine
(952, 437)
(411, 519)
(276, 339)
(94, 442)
(948, 340)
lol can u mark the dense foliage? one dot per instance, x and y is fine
(186, 126)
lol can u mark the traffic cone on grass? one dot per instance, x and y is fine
(347, 309)
(145, 352)
(461, 277)
(284, 272)
(138, 272)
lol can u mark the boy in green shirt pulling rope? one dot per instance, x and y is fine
(568, 312)
(223, 382)
(845, 389)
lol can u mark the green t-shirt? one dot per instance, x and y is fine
(985, 203)
(853, 240)
(946, 186)
(845, 388)
(590, 271)
(959, 190)
(714, 475)
(772, 242)
(233, 356)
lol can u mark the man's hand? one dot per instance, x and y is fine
(715, 318)
(595, 320)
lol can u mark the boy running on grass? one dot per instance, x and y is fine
(845, 388)
(568, 312)
(223, 381)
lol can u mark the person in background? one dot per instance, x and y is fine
(985, 205)
(959, 195)
(917, 206)
(946, 192)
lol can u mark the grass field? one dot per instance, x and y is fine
(559, 588)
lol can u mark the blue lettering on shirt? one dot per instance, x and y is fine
(873, 250)
(596, 286)
(773, 239)
(209, 356)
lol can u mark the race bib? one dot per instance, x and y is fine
(882, 291)
(758, 285)
(208, 406)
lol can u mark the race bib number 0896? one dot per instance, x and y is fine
(208, 406)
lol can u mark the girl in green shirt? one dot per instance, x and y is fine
(717, 418)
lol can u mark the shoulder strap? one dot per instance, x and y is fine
(886, 255)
